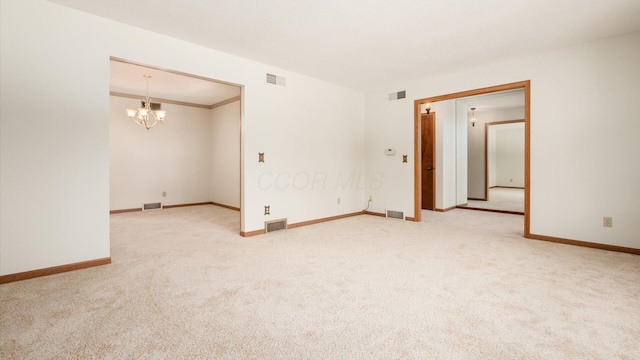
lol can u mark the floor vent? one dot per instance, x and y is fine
(394, 214)
(275, 225)
(151, 206)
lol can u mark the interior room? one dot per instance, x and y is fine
(192, 160)
(281, 215)
(495, 152)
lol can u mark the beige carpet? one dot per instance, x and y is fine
(506, 199)
(459, 285)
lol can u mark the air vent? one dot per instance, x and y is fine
(274, 225)
(395, 214)
(398, 95)
(276, 80)
(151, 206)
(154, 106)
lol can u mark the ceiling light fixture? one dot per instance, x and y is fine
(428, 108)
(473, 116)
(141, 115)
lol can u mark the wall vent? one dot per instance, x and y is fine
(276, 80)
(151, 206)
(274, 225)
(154, 105)
(395, 214)
(398, 95)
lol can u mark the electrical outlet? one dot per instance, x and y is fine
(164, 194)
(370, 197)
(338, 201)
(607, 221)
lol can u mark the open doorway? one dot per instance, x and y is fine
(503, 170)
(490, 152)
(418, 109)
(191, 158)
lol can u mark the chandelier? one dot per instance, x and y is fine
(141, 115)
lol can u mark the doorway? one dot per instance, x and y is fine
(418, 174)
(173, 163)
(499, 187)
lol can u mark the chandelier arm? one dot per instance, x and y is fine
(142, 117)
(148, 107)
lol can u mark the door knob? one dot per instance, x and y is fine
(429, 168)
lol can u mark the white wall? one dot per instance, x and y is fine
(462, 122)
(55, 132)
(225, 154)
(174, 157)
(385, 175)
(509, 159)
(492, 140)
(476, 139)
(194, 156)
(569, 196)
(445, 153)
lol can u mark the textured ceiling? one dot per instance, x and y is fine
(502, 99)
(367, 44)
(129, 79)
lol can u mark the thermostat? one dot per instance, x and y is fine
(389, 151)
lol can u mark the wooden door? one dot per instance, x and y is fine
(428, 161)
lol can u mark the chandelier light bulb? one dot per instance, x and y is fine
(141, 115)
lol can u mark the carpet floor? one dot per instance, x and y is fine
(459, 285)
(506, 199)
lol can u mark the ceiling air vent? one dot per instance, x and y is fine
(398, 95)
(151, 206)
(395, 214)
(276, 80)
(274, 225)
(154, 106)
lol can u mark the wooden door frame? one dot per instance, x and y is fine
(417, 173)
(486, 151)
(433, 167)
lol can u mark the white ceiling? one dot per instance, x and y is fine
(129, 79)
(496, 100)
(366, 44)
